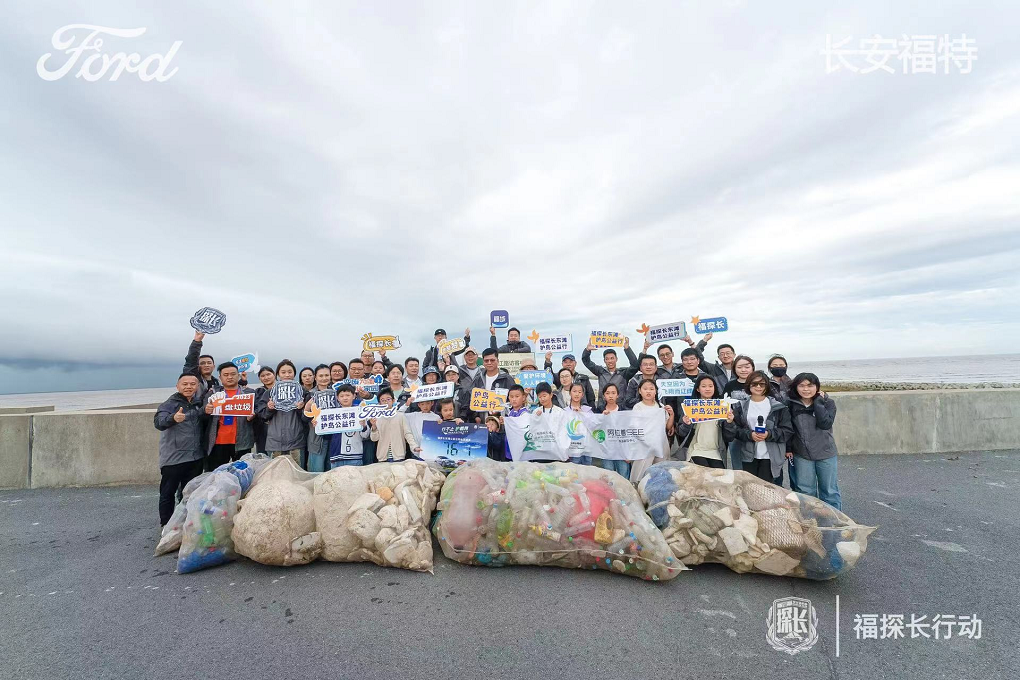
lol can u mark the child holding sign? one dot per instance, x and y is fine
(346, 448)
(703, 442)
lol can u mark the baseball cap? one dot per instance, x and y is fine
(569, 356)
(451, 369)
(439, 331)
(470, 348)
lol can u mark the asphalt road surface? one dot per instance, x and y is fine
(81, 596)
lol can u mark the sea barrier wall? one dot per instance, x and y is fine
(120, 446)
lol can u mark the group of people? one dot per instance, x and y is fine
(774, 420)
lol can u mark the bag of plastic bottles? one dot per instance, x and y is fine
(378, 513)
(275, 523)
(173, 531)
(554, 514)
(748, 524)
(244, 469)
(211, 508)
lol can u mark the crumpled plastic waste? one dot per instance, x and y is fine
(378, 513)
(275, 522)
(554, 514)
(734, 518)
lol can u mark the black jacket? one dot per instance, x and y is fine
(812, 428)
(191, 367)
(503, 381)
(432, 355)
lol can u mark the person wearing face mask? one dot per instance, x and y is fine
(780, 383)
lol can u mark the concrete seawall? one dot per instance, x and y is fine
(86, 448)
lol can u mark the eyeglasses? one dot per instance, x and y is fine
(757, 384)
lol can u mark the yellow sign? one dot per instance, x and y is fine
(374, 343)
(450, 345)
(606, 339)
(700, 410)
(486, 400)
(511, 361)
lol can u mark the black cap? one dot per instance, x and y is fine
(438, 331)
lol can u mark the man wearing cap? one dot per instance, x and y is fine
(570, 362)
(432, 356)
(469, 369)
(513, 342)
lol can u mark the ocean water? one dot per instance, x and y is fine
(1000, 368)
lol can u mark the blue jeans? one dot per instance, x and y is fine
(622, 467)
(580, 460)
(340, 461)
(816, 478)
(736, 456)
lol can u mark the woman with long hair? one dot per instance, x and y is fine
(813, 448)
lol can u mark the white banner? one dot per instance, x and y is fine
(620, 435)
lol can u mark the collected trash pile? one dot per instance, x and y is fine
(201, 523)
(734, 518)
(376, 513)
(555, 514)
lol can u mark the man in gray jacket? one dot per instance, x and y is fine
(490, 377)
(179, 421)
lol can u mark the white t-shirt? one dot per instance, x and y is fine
(754, 410)
(642, 406)
(489, 379)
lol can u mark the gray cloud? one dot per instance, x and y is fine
(397, 168)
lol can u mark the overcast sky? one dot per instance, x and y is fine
(322, 170)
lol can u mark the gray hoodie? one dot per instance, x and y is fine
(285, 430)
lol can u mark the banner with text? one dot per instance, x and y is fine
(487, 400)
(511, 362)
(452, 444)
(443, 390)
(700, 410)
(241, 404)
(620, 435)
(554, 342)
(599, 339)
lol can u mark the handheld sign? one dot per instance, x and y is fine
(700, 410)
(450, 444)
(487, 400)
(370, 384)
(530, 379)
(432, 392)
(450, 345)
(511, 362)
(675, 387)
(553, 342)
(606, 339)
(664, 332)
(337, 420)
(241, 404)
(286, 394)
(498, 318)
(244, 362)
(366, 411)
(716, 324)
(326, 399)
(374, 343)
(208, 320)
